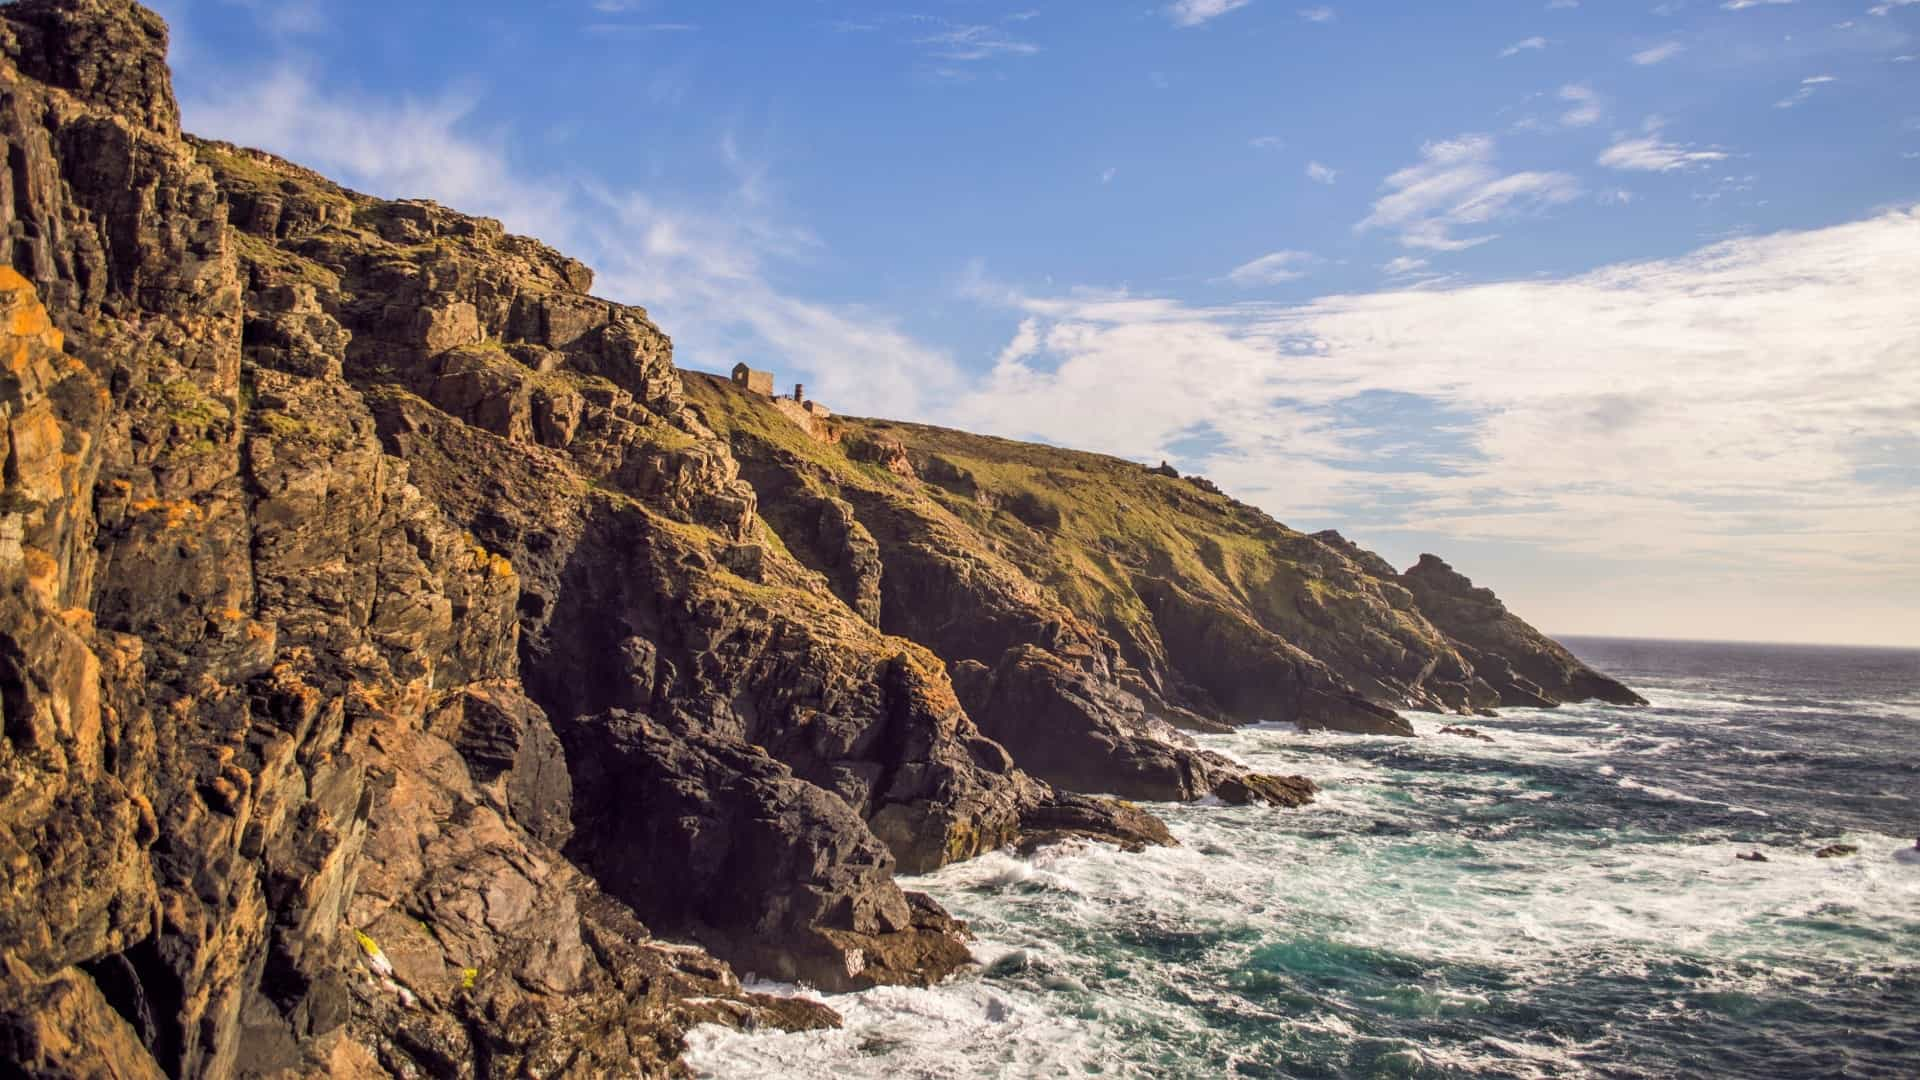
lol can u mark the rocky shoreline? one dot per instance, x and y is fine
(396, 649)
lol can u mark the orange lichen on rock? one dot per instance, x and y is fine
(178, 512)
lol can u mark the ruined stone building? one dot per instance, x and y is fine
(759, 382)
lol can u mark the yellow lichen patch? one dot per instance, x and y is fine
(177, 512)
(376, 958)
(467, 978)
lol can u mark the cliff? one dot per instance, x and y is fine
(1090, 609)
(394, 654)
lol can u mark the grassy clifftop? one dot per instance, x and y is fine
(1225, 614)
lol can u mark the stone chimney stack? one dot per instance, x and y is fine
(799, 392)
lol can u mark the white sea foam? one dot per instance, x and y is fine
(1093, 961)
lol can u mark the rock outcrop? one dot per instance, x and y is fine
(390, 656)
(1091, 610)
(1524, 665)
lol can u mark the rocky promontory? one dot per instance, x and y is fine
(406, 670)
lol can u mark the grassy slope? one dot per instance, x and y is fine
(1090, 530)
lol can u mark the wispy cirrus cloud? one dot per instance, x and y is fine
(1808, 86)
(1274, 269)
(1456, 186)
(1648, 152)
(1584, 108)
(1524, 45)
(1186, 13)
(1658, 54)
(970, 42)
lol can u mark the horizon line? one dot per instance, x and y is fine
(1655, 639)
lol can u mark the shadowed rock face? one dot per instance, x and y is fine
(1533, 669)
(379, 633)
(388, 652)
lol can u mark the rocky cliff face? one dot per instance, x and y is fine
(1090, 608)
(389, 652)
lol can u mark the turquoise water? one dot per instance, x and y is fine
(1561, 901)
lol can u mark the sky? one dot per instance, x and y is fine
(1614, 305)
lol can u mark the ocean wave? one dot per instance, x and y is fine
(1440, 899)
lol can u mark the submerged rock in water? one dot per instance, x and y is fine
(1066, 816)
(1271, 790)
(1751, 856)
(1466, 732)
(1835, 851)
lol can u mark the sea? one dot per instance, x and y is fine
(1562, 898)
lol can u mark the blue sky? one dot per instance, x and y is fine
(1609, 303)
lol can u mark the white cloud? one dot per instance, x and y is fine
(1267, 142)
(1808, 86)
(967, 43)
(1660, 53)
(1738, 5)
(1585, 109)
(1651, 153)
(1455, 186)
(1274, 269)
(1320, 174)
(1562, 5)
(1743, 412)
(1107, 175)
(1523, 45)
(1889, 5)
(1403, 265)
(1195, 12)
(1318, 14)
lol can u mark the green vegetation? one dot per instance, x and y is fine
(199, 419)
(280, 265)
(1088, 527)
(235, 166)
(281, 424)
